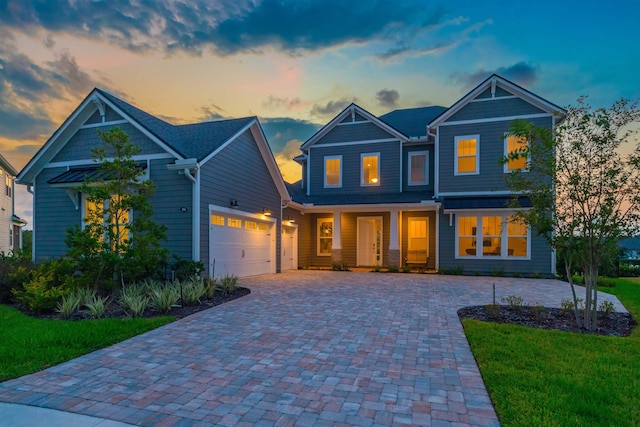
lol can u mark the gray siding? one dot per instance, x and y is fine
(540, 262)
(364, 131)
(389, 168)
(238, 172)
(172, 192)
(54, 213)
(491, 176)
(80, 145)
(432, 237)
(427, 190)
(497, 108)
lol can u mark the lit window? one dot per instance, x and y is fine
(467, 227)
(370, 172)
(234, 222)
(466, 155)
(419, 168)
(8, 189)
(515, 144)
(491, 236)
(251, 225)
(502, 236)
(517, 237)
(417, 250)
(333, 171)
(217, 220)
(325, 236)
(263, 226)
(111, 211)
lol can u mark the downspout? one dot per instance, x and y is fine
(195, 215)
(33, 221)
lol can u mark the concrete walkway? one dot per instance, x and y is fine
(304, 349)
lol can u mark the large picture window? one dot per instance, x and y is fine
(325, 236)
(418, 168)
(499, 236)
(417, 247)
(103, 211)
(515, 144)
(333, 171)
(370, 171)
(467, 155)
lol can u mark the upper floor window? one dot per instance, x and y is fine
(370, 172)
(418, 168)
(515, 144)
(8, 189)
(333, 171)
(467, 161)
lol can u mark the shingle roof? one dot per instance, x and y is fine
(412, 121)
(196, 140)
(299, 195)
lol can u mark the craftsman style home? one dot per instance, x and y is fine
(218, 188)
(421, 187)
(10, 224)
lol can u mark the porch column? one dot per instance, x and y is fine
(394, 241)
(336, 242)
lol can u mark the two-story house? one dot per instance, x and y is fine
(10, 224)
(422, 186)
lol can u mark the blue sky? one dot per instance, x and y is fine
(295, 64)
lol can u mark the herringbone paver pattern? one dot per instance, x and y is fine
(304, 349)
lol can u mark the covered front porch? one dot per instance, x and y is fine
(369, 236)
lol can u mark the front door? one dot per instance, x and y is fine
(369, 241)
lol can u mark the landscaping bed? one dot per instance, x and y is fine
(611, 324)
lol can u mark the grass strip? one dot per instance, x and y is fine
(29, 345)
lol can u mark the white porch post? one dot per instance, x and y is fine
(394, 240)
(336, 242)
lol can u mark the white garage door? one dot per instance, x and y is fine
(240, 245)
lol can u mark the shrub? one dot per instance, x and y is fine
(164, 297)
(606, 282)
(339, 266)
(192, 291)
(393, 269)
(186, 269)
(85, 295)
(97, 307)
(606, 307)
(493, 310)
(513, 301)
(211, 285)
(14, 272)
(69, 305)
(38, 295)
(377, 268)
(457, 271)
(539, 311)
(133, 301)
(498, 272)
(228, 284)
(566, 306)
(406, 268)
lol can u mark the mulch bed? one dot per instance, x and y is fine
(612, 324)
(115, 311)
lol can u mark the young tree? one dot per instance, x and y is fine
(584, 190)
(119, 239)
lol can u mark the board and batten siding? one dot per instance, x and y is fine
(84, 140)
(495, 108)
(540, 262)
(427, 190)
(492, 175)
(53, 214)
(351, 168)
(238, 172)
(360, 131)
(173, 191)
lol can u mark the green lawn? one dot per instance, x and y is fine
(552, 378)
(29, 345)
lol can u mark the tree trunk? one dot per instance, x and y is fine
(576, 312)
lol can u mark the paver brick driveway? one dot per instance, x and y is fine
(305, 348)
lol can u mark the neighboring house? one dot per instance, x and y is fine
(630, 247)
(10, 224)
(218, 188)
(422, 186)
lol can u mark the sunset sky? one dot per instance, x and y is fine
(296, 64)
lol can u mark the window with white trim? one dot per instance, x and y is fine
(332, 171)
(325, 236)
(119, 218)
(417, 244)
(369, 169)
(467, 158)
(515, 144)
(8, 186)
(418, 169)
(234, 222)
(499, 236)
(217, 220)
